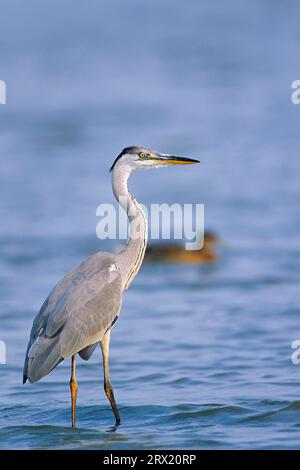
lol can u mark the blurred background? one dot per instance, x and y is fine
(200, 357)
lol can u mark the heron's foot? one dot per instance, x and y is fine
(114, 428)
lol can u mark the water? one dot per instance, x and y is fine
(200, 358)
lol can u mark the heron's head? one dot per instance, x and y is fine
(140, 157)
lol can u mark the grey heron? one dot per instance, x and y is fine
(81, 309)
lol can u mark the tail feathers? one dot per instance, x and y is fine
(43, 356)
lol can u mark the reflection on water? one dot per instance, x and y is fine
(201, 355)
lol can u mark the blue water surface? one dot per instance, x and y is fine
(201, 355)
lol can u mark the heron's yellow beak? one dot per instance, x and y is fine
(172, 160)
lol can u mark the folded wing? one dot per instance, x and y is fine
(75, 316)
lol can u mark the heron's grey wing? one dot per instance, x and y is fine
(89, 322)
(76, 314)
(53, 300)
(86, 352)
(40, 323)
(49, 306)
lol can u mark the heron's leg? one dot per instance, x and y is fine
(104, 343)
(73, 388)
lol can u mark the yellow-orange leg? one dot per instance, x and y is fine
(104, 343)
(73, 388)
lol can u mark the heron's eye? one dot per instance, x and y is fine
(142, 155)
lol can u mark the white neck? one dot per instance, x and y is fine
(131, 257)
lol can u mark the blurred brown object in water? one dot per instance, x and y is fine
(174, 253)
